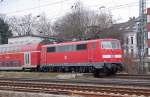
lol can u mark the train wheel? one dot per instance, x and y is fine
(114, 71)
(100, 73)
(96, 73)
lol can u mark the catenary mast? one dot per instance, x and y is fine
(142, 35)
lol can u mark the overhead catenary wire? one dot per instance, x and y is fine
(119, 6)
(60, 2)
(37, 7)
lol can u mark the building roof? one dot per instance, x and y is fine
(30, 36)
(125, 27)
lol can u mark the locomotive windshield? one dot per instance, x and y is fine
(111, 45)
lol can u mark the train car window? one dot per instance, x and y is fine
(81, 47)
(61, 48)
(2, 50)
(13, 49)
(7, 50)
(18, 49)
(71, 48)
(51, 49)
(65, 48)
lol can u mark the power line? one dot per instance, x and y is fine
(44, 5)
(124, 6)
(62, 1)
(120, 6)
(116, 5)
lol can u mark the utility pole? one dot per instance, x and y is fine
(142, 35)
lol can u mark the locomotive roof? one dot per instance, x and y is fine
(76, 42)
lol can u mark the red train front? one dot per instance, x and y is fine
(101, 56)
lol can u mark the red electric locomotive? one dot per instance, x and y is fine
(101, 56)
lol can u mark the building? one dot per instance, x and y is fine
(25, 39)
(128, 31)
(147, 58)
(148, 30)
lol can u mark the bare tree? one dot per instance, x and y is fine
(80, 21)
(21, 25)
(29, 25)
(43, 26)
(5, 31)
(13, 24)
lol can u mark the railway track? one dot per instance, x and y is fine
(95, 88)
(132, 76)
(71, 89)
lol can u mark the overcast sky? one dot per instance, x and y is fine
(120, 9)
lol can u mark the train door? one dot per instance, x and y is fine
(27, 59)
(43, 56)
(91, 53)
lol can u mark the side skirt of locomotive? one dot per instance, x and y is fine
(96, 68)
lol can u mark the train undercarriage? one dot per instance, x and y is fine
(105, 70)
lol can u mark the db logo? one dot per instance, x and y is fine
(112, 56)
(65, 57)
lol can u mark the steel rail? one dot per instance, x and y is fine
(72, 88)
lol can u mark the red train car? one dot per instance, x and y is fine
(19, 57)
(101, 56)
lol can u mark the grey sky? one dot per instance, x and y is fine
(122, 9)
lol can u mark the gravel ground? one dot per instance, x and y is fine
(14, 74)
(25, 94)
(11, 74)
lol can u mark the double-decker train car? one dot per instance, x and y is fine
(101, 56)
(19, 57)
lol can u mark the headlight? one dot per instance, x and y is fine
(118, 56)
(106, 56)
(111, 56)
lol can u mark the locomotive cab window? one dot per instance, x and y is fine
(81, 47)
(51, 49)
(115, 45)
(110, 45)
